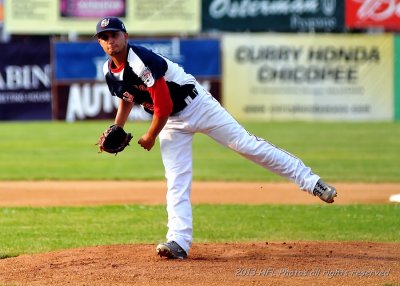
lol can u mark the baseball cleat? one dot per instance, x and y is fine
(325, 192)
(171, 250)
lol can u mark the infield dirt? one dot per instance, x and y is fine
(261, 263)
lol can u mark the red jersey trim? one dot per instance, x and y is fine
(161, 97)
(116, 70)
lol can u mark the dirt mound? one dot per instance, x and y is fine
(277, 263)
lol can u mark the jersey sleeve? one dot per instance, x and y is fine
(147, 65)
(161, 97)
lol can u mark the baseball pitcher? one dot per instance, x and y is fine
(181, 107)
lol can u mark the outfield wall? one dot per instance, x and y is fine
(259, 76)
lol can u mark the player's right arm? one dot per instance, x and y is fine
(162, 103)
(124, 108)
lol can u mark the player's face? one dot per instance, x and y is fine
(113, 42)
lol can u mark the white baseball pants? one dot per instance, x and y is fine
(204, 114)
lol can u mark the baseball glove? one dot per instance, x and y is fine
(114, 140)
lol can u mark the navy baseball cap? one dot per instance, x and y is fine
(109, 24)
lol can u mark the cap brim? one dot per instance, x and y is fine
(107, 30)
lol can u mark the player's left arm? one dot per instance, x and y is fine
(162, 103)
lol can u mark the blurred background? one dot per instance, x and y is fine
(306, 60)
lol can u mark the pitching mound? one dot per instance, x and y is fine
(284, 263)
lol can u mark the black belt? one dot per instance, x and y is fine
(193, 93)
(180, 104)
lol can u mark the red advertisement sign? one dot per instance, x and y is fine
(92, 8)
(1, 12)
(373, 13)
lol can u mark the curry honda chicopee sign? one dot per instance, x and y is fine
(307, 77)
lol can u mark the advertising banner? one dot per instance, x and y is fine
(305, 77)
(96, 9)
(141, 17)
(273, 15)
(25, 80)
(84, 60)
(373, 13)
(1, 12)
(80, 89)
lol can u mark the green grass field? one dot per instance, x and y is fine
(30, 230)
(352, 152)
